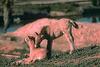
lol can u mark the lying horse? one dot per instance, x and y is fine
(35, 53)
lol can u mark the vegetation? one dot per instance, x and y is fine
(96, 2)
(86, 57)
(29, 12)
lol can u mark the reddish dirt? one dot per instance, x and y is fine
(59, 44)
(6, 45)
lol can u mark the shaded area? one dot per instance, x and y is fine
(93, 11)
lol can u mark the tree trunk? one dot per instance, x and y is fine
(7, 13)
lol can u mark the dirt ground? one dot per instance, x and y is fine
(60, 44)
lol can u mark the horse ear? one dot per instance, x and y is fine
(74, 24)
(29, 38)
(44, 30)
(36, 33)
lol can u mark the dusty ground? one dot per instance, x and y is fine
(9, 45)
